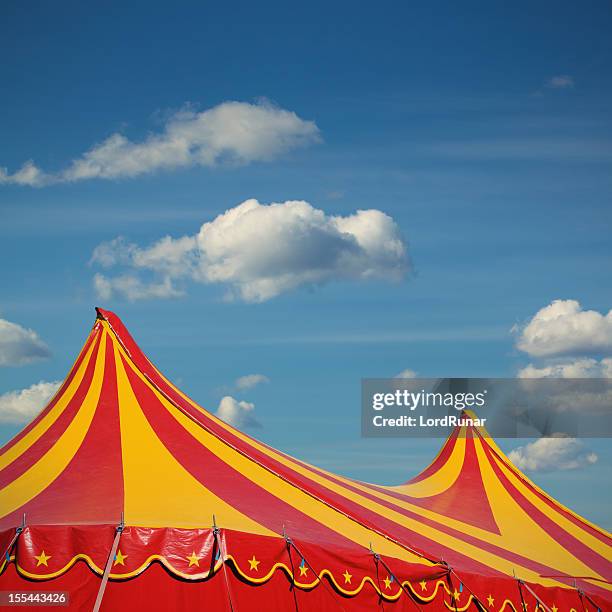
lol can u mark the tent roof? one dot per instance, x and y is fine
(120, 438)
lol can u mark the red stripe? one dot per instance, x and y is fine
(465, 500)
(551, 503)
(377, 521)
(224, 480)
(38, 449)
(368, 518)
(55, 399)
(443, 552)
(581, 551)
(373, 520)
(90, 489)
(440, 460)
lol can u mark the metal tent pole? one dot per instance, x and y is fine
(379, 559)
(18, 532)
(221, 547)
(109, 565)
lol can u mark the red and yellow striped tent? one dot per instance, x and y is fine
(126, 494)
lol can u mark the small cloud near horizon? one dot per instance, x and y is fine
(20, 346)
(407, 373)
(250, 380)
(561, 81)
(21, 406)
(237, 413)
(552, 454)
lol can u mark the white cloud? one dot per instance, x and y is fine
(250, 380)
(547, 454)
(23, 405)
(133, 288)
(29, 174)
(237, 413)
(579, 368)
(19, 345)
(172, 256)
(563, 328)
(561, 81)
(408, 373)
(577, 395)
(229, 133)
(113, 252)
(260, 251)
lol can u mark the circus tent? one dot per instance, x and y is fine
(125, 494)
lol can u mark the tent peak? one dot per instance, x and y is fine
(103, 314)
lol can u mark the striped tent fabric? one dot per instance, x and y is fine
(123, 472)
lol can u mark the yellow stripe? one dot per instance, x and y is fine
(54, 461)
(240, 463)
(158, 491)
(488, 440)
(283, 490)
(474, 552)
(440, 480)
(518, 528)
(580, 534)
(526, 482)
(45, 423)
(512, 540)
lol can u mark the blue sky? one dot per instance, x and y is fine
(484, 131)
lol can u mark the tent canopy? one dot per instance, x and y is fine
(120, 442)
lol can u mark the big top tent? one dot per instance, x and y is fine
(127, 495)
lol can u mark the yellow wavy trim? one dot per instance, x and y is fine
(439, 585)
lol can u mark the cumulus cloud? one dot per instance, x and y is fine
(259, 251)
(548, 454)
(408, 373)
(172, 256)
(576, 395)
(580, 368)
(133, 288)
(19, 345)
(29, 174)
(563, 328)
(250, 380)
(229, 133)
(237, 413)
(23, 405)
(560, 81)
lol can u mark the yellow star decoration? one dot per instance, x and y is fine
(254, 563)
(193, 559)
(387, 582)
(303, 570)
(554, 608)
(456, 595)
(347, 577)
(490, 600)
(423, 585)
(42, 559)
(120, 558)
